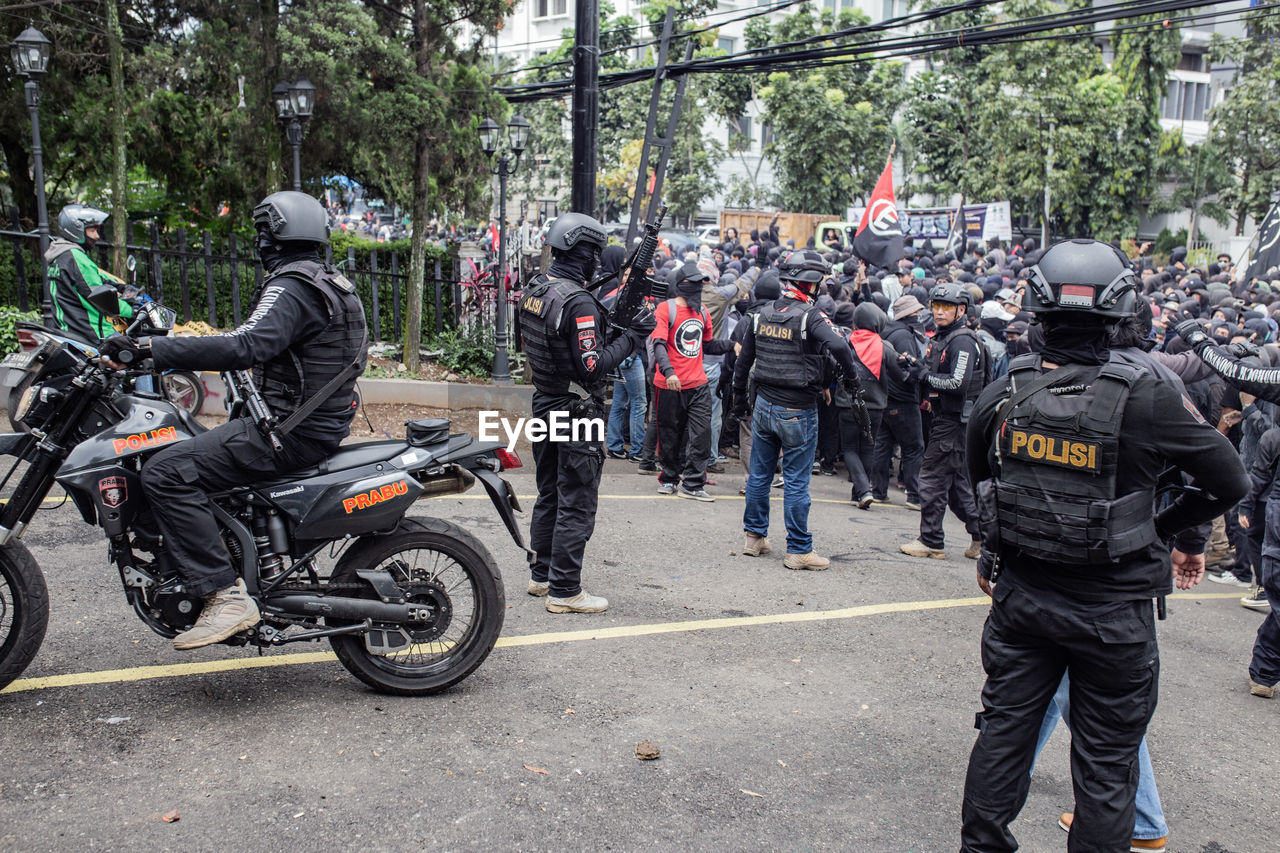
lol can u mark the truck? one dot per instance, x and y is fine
(791, 226)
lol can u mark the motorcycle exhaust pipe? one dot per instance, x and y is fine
(341, 607)
(455, 481)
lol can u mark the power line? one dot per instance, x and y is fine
(845, 53)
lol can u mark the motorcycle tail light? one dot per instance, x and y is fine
(508, 458)
(29, 340)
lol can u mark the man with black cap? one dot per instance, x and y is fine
(571, 351)
(682, 396)
(784, 357)
(952, 376)
(1066, 452)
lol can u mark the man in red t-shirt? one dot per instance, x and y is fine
(681, 397)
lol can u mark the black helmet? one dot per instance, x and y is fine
(569, 229)
(1084, 276)
(949, 293)
(287, 216)
(75, 218)
(805, 266)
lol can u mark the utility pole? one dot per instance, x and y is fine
(586, 104)
(119, 144)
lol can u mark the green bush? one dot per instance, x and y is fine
(468, 352)
(9, 320)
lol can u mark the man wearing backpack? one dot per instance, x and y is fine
(953, 373)
(682, 397)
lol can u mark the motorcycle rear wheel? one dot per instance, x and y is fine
(24, 610)
(442, 567)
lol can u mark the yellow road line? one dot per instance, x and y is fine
(179, 670)
(669, 498)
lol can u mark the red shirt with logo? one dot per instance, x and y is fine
(683, 341)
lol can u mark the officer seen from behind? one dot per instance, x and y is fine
(565, 329)
(1066, 452)
(783, 358)
(305, 340)
(951, 376)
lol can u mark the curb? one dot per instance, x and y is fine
(508, 399)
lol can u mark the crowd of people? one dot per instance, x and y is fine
(927, 337)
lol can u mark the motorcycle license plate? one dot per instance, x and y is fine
(20, 360)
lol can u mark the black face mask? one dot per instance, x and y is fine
(692, 293)
(269, 251)
(578, 264)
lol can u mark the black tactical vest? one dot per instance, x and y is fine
(956, 404)
(1058, 449)
(550, 357)
(782, 359)
(302, 371)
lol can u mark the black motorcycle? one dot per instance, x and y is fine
(411, 605)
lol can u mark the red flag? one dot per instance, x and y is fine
(493, 235)
(879, 237)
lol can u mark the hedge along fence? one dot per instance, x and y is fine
(214, 280)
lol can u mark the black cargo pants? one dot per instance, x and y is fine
(1031, 636)
(944, 482)
(178, 480)
(564, 514)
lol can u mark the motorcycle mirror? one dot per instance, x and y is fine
(106, 299)
(131, 263)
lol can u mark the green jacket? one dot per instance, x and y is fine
(72, 275)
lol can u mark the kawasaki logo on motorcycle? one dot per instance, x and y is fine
(364, 500)
(142, 441)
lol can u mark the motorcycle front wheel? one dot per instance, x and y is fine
(184, 389)
(24, 610)
(447, 572)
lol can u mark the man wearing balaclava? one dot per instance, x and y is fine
(1065, 454)
(682, 396)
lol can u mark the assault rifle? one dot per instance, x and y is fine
(634, 276)
(242, 391)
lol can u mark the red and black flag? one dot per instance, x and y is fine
(879, 237)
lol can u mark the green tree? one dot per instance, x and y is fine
(1246, 125)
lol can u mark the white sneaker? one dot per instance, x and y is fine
(539, 588)
(580, 603)
(1227, 579)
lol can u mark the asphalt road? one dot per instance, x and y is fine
(792, 712)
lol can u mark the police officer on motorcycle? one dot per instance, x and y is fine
(571, 351)
(73, 275)
(784, 357)
(951, 375)
(1065, 453)
(305, 341)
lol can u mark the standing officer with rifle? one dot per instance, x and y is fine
(1065, 454)
(565, 330)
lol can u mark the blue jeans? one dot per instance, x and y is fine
(795, 432)
(712, 369)
(628, 402)
(1149, 821)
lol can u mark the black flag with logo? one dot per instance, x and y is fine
(879, 237)
(1268, 252)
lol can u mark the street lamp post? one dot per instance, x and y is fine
(295, 102)
(29, 53)
(517, 139)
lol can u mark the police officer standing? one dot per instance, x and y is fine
(1066, 452)
(305, 340)
(564, 329)
(784, 358)
(952, 376)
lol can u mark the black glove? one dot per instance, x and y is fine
(643, 323)
(1191, 332)
(1244, 349)
(122, 350)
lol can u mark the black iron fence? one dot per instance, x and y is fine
(214, 280)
